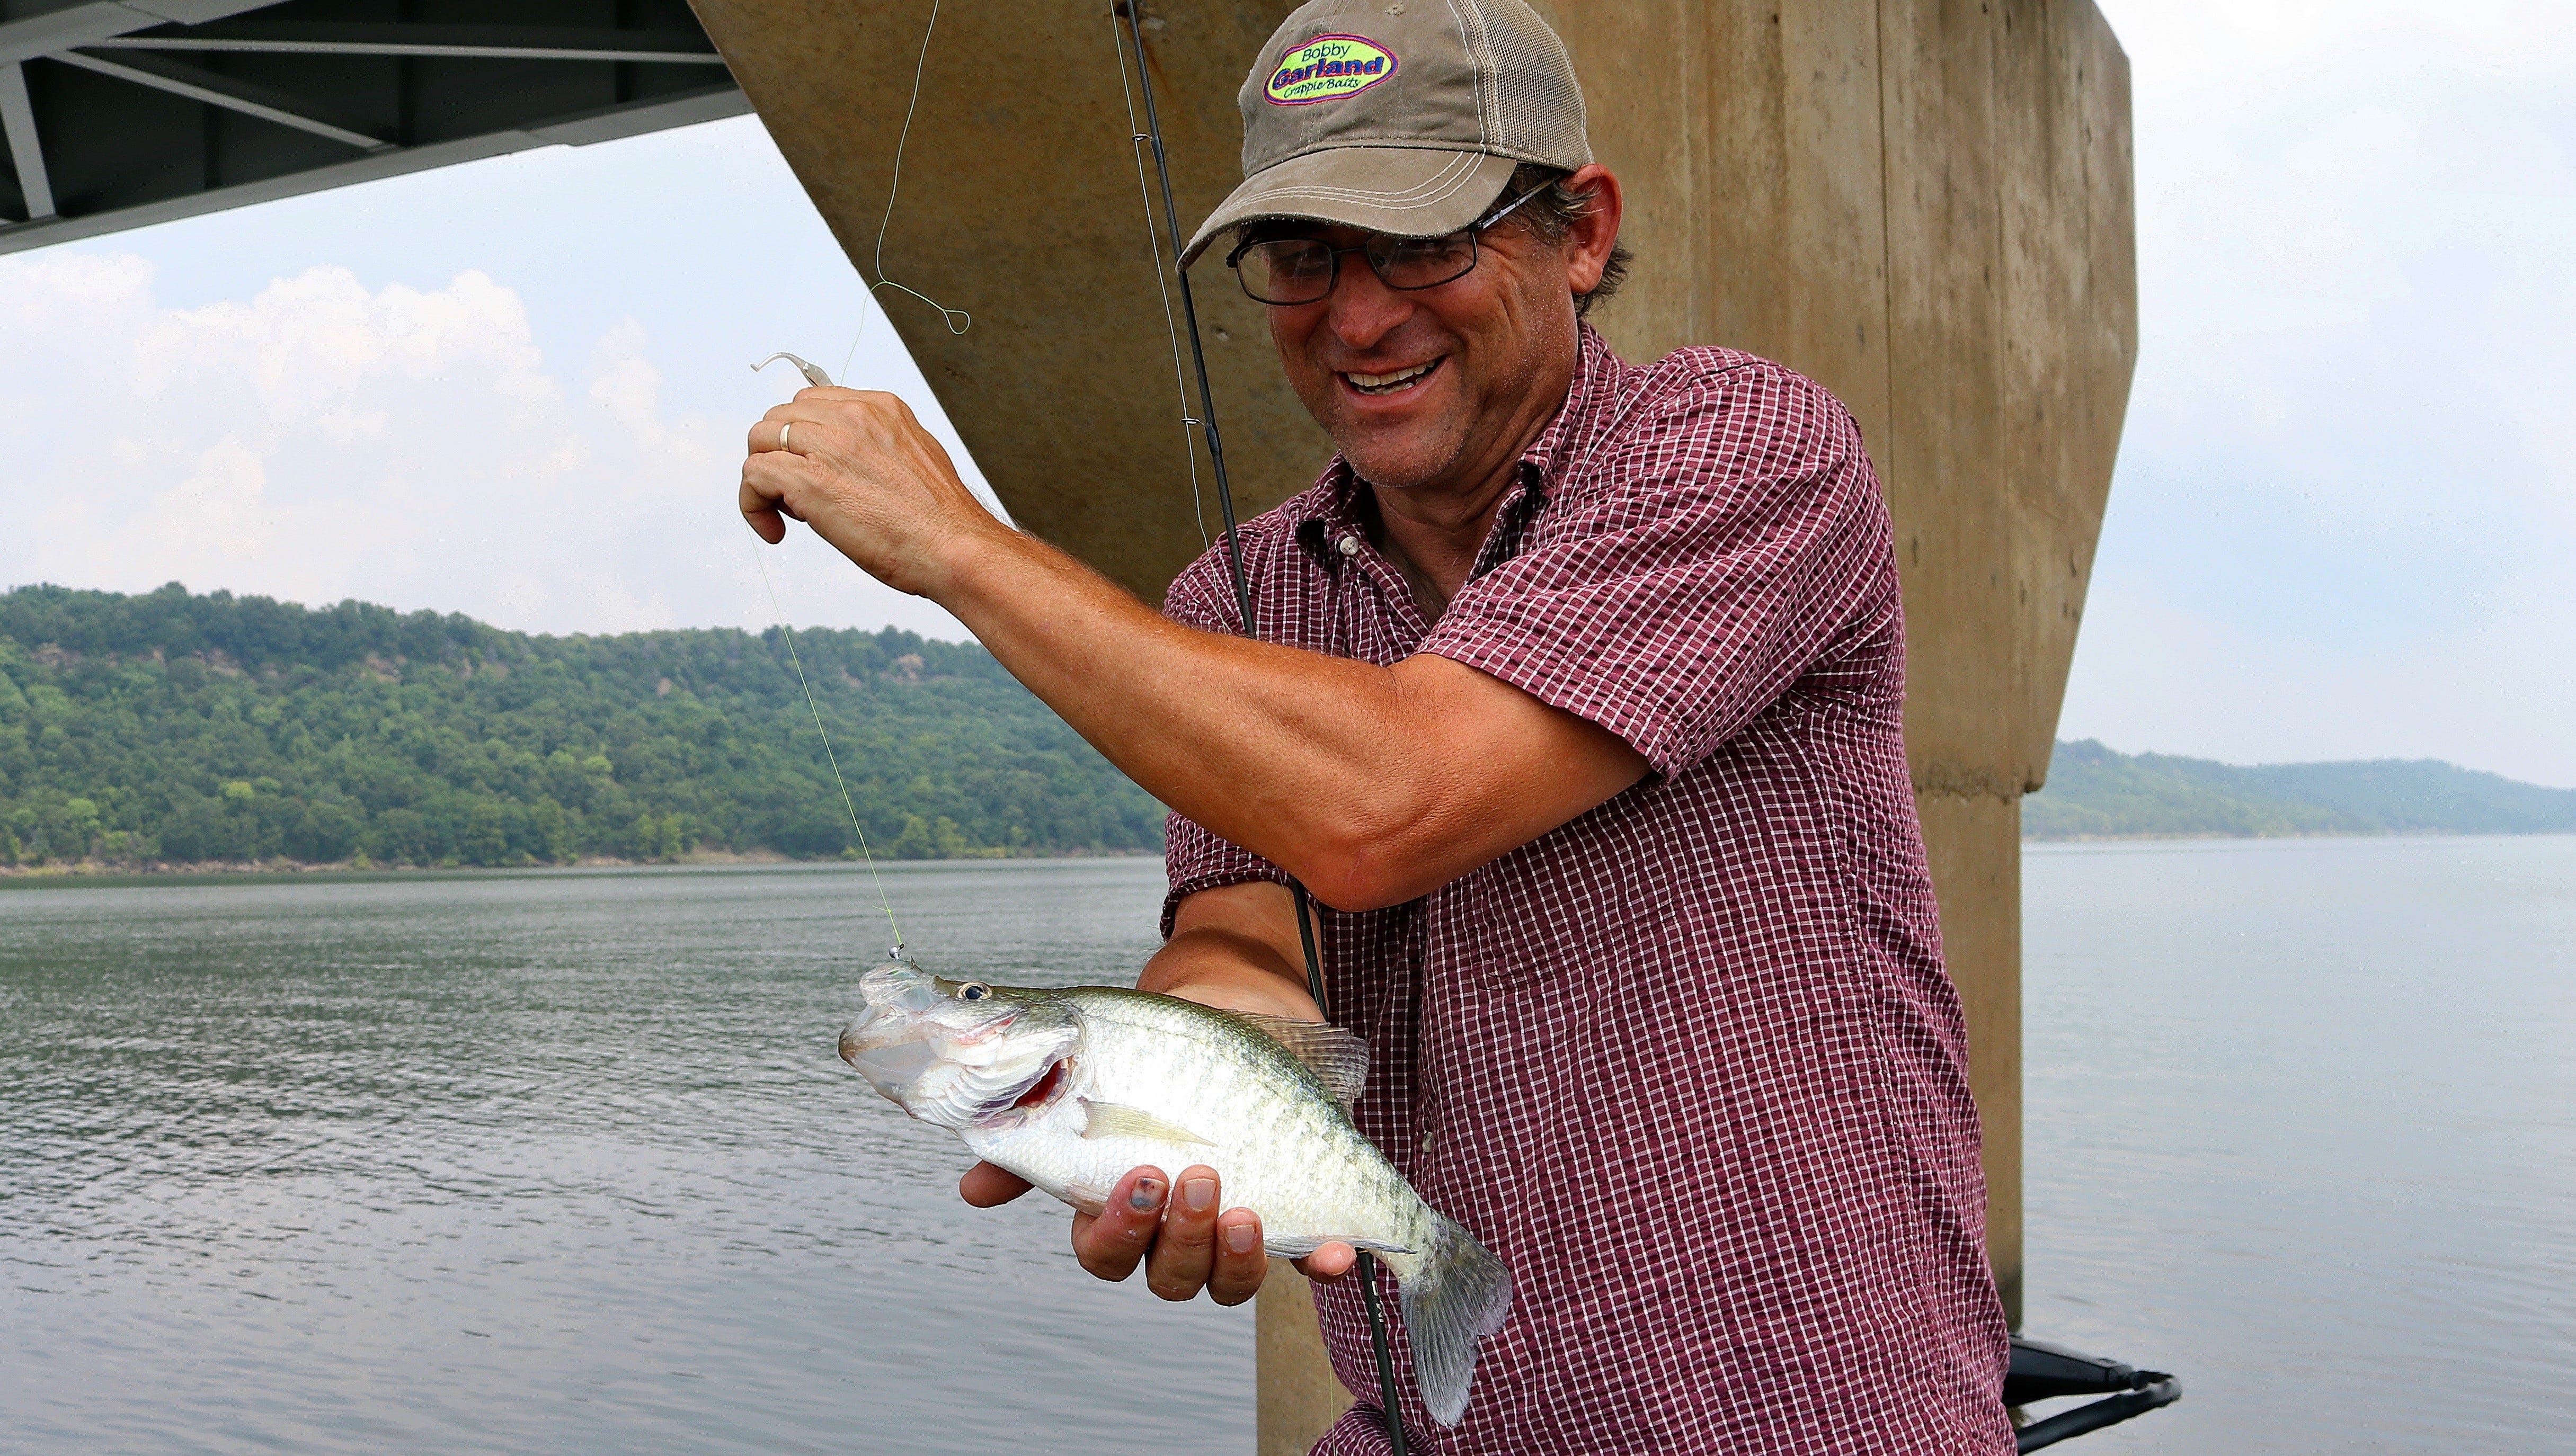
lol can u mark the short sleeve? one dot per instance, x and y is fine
(1196, 860)
(1193, 858)
(1728, 533)
(1200, 596)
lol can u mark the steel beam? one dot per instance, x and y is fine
(25, 37)
(466, 42)
(42, 28)
(224, 91)
(579, 130)
(466, 75)
(18, 125)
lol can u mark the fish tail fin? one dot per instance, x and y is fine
(1454, 1294)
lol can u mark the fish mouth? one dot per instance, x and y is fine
(956, 1078)
(888, 1064)
(864, 1037)
(891, 1049)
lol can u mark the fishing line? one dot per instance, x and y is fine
(1154, 249)
(957, 320)
(1367, 1266)
(829, 757)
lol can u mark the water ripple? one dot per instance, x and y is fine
(547, 1163)
(2302, 1128)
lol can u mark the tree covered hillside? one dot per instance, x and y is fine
(174, 727)
(2095, 791)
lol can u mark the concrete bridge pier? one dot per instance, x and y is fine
(1924, 204)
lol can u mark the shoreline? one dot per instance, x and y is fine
(98, 870)
(2204, 835)
(709, 859)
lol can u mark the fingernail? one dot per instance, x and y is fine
(1241, 1238)
(1199, 1194)
(1147, 1193)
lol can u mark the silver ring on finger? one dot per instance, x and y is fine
(782, 433)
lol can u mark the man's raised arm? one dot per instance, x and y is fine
(1371, 784)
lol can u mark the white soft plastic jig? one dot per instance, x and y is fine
(813, 373)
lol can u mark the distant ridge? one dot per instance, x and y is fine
(173, 728)
(2096, 793)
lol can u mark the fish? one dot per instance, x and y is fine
(1072, 1087)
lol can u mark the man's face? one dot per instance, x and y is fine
(1488, 356)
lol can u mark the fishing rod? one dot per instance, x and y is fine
(1152, 135)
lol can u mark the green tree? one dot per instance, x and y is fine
(184, 727)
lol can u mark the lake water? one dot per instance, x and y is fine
(562, 1162)
(2302, 1129)
(551, 1163)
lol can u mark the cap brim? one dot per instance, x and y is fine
(1412, 192)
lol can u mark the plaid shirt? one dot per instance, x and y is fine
(1688, 1064)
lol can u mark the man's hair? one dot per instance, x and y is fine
(1553, 213)
(1547, 217)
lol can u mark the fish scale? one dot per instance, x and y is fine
(1074, 1088)
(1272, 1153)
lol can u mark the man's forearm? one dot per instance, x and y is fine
(1371, 784)
(1232, 970)
(1290, 754)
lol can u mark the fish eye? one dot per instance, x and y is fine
(973, 991)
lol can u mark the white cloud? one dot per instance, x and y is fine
(2214, 45)
(218, 509)
(414, 446)
(2347, 491)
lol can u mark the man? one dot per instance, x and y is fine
(1577, 707)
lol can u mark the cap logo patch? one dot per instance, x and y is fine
(1328, 68)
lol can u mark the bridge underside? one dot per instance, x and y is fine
(116, 115)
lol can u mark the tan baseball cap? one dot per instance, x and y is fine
(1400, 116)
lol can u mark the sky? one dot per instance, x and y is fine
(2343, 523)
(516, 388)
(2344, 519)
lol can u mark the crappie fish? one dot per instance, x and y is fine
(1072, 1088)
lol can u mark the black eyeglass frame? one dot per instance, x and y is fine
(1471, 231)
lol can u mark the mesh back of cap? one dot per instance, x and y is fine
(1536, 109)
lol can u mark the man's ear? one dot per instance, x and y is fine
(1589, 241)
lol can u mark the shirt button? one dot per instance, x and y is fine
(1350, 545)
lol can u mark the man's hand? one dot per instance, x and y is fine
(1173, 1228)
(859, 469)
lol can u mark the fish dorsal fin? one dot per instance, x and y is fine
(1112, 1119)
(1332, 1054)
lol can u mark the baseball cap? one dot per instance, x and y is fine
(1400, 116)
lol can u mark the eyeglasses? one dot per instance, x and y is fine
(1289, 271)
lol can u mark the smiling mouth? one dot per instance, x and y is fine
(1395, 383)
